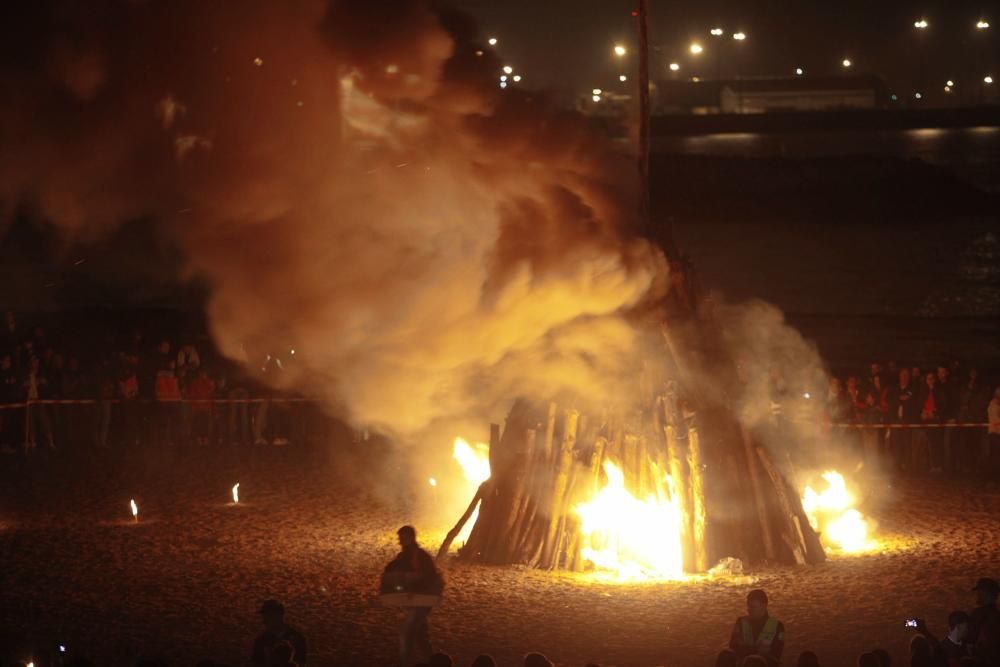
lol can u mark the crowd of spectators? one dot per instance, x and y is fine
(941, 418)
(125, 387)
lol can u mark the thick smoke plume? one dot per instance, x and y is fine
(352, 186)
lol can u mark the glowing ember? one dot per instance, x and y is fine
(135, 509)
(832, 513)
(236, 492)
(633, 538)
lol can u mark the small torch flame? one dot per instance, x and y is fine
(135, 509)
(236, 492)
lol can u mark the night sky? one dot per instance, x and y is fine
(567, 44)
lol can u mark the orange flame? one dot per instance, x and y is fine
(633, 539)
(832, 513)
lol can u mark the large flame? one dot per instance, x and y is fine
(632, 538)
(832, 513)
(475, 464)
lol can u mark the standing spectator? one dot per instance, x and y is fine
(105, 397)
(11, 419)
(984, 623)
(948, 410)
(201, 391)
(931, 405)
(239, 409)
(874, 371)
(902, 410)
(128, 389)
(36, 389)
(276, 631)
(168, 396)
(872, 417)
(993, 431)
(188, 362)
(973, 400)
(837, 405)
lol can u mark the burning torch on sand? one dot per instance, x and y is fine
(236, 493)
(135, 510)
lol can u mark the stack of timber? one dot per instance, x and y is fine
(733, 499)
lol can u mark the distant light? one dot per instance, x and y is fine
(391, 69)
(492, 41)
(846, 62)
(918, 96)
(921, 24)
(982, 25)
(807, 395)
(503, 77)
(292, 351)
(696, 79)
(596, 91)
(623, 78)
(508, 69)
(799, 71)
(517, 78)
(432, 481)
(739, 36)
(696, 48)
(894, 98)
(717, 32)
(674, 67)
(596, 98)
(479, 53)
(620, 50)
(987, 79)
(258, 61)
(503, 84)
(947, 89)
(949, 83)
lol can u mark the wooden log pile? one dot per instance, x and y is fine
(733, 499)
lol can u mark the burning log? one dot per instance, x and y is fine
(630, 496)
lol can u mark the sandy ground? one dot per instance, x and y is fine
(184, 582)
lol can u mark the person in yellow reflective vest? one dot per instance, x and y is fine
(757, 633)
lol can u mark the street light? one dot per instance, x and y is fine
(492, 41)
(987, 79)
(846, 62)
(717, 32)
(674, 67)
(696, 48)
(982, 25)
(517, 78)
(739, 36)
(596, 98)
(508, 69)
(620, 50)
(921, 24)
(596, 91)
(949, 83)
(799, 71)
(622, 78)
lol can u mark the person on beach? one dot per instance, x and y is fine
(420, 575)
(757, 633)
(983, 637)
(276, 632)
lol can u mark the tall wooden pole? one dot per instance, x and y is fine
(644, 214)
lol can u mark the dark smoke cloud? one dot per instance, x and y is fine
(350, 184)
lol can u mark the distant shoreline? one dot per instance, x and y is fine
(839, 120)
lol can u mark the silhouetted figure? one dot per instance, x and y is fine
(983, 637)
(754, 660)
(282, 655)
(727, 658)
(484, 660)
(420, 576)
(884, 659)
(440, 660)
(537, 660)
(757, 633)
(276, 631)
(868, 660)
(808, 658)
(921, 653)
